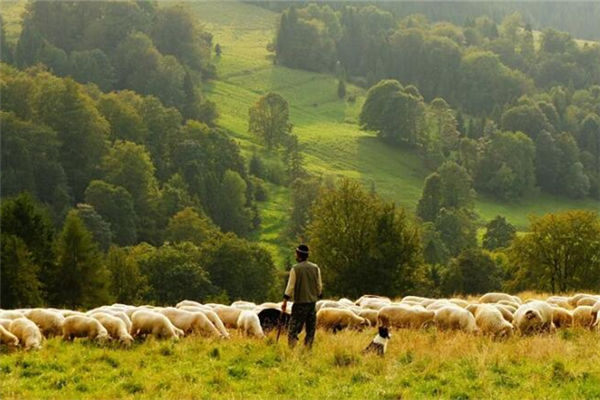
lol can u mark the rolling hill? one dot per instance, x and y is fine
(326, 126)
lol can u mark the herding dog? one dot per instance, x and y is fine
(379, 343)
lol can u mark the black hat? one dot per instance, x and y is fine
(302, 249)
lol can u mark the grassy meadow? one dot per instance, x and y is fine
(418, 364)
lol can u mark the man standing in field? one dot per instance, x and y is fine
(304, 288)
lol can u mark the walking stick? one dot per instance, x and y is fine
(280, 321)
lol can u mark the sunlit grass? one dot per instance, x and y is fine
(419, 364)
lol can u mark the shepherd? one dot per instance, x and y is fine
(304, 287)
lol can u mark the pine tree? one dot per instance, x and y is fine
(81, 279)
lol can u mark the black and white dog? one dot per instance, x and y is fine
(379, 343)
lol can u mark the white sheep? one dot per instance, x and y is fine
(82, 326)
(490, 321)
(561, 317)
(50, 322)
(154, 323)
(228, 315)
(404, 316)
(337, 319)
(454, 317)
(587, 301)
(11, 314)
(212, 317)
(243, 305)
(369, 297)
(249, 324)
(115, 327)
(191, 322)
(369, 315)
(8, 338)
(582, 316)
(5, 322)
(534, 316)
(27, 332)
(184, 303)
(495, 297)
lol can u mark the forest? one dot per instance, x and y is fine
(120, 183)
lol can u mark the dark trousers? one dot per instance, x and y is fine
(302, 314)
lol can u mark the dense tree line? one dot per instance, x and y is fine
(580, 19)
(366, 245)
(128, 156)
(67, 266)
(159, 51)
(549, 140)
(478, 67)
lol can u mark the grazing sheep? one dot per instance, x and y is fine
(249, 324)
(454, 317)
(244, 305)
(212, 316)
(12, 314)
(328, 304)
(374, 304)
(337, 319)
(8, 338)
(561, 317)
(595, 312)
(535, 316)
(5, 322)
(369, 315)
(68, 313)
(145, 322)
(506, 312)
(582, 316)
(228, 315)
(269, 305)
(510, 304)
(587, 301)
(368, 297)
(188, 303)
(459, 302)
(27, 332)
(191, 322)
(403, 316)
(49, 322)
(575, 298)
(115, 327)
(497, 297)
(559, 301)
(490, 321)
(436, 305)
(346, 302)
(79, 326)
(416, 299)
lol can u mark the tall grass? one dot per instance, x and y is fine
(418, 364)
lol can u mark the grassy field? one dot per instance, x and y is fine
(326, 126)
(418, 365)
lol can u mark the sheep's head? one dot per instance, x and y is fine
(126, 340)
(532, 315)
(103, 337)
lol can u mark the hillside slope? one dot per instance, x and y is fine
(326, 126)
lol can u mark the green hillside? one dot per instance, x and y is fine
(325, 125)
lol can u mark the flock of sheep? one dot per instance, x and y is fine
(495, 314)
